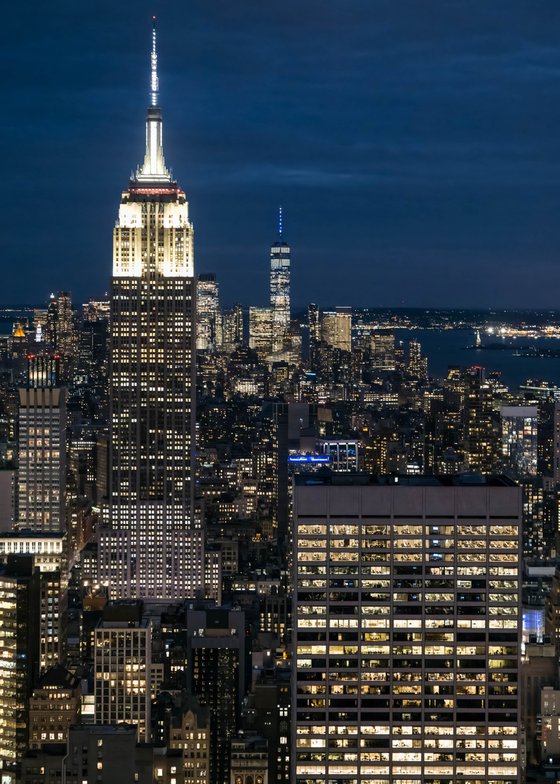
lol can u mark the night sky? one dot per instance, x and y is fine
(414, 144)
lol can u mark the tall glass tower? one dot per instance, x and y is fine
(280, 289)
(152, 547)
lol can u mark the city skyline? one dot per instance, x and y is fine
(440, 130)
(242, 544)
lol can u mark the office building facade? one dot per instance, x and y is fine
(261, 321)
(519, 439)
(42, 459)
(407, 630)
(217, 653)
(208, 314)
(19, 658)
(336, 328)
(122, 668)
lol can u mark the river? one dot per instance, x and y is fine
(451, 347)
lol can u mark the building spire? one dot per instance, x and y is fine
(154, 83)
(154, 169)
(280, 224)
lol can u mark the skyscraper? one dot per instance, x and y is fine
(122, 667)
(209, 320)
(417, 364)
(280, 289)
(519, 439)
(314, 324)
(232, 329)
(218, 669)
(481, 434)
(336, 328)
(152, 382)
(42, 456)
(261, 325)
(407, 630)
(61, 332)
(19, 658)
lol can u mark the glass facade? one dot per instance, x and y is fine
(280, 294)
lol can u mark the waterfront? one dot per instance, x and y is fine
(445, 347)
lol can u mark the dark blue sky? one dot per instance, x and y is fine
(414, 145)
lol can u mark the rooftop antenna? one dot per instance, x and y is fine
(154, 82)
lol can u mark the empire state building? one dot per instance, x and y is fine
(151, 547)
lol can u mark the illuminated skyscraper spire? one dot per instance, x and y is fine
(280, 225)
(154, 169)
(154, 80)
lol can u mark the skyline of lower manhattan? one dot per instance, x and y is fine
(268, 522)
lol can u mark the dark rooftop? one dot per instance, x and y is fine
(58, 676)
(327, 477)
(123, 611)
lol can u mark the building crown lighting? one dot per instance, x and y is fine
(154, 169)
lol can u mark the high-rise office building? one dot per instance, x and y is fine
(208, 315)
(481, 435)
(261, 321)
(49, 554)
(336, 328)
(218, 656)
(61, 333)
(41, 488)
(407, 630)
(554, 446)
(43, 370)
(539, 518)
(314, 325)
(122, 667)
(280, 289)
(417, 363)
(232, 329)
(19, 658)
(52, 590)
(148, 549)
(269, 704)
(383, 351)
(519, 439)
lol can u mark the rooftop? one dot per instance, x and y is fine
(26, 533)
(327, 477)
(59, 677)
(106, 729)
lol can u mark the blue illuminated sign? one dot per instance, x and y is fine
(309, 459)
